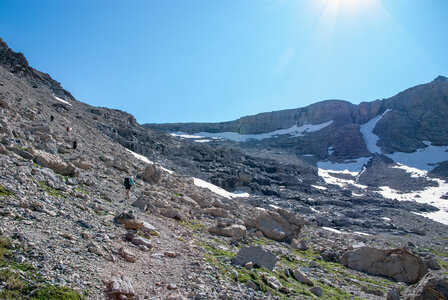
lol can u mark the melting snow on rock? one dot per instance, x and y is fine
(293, 131)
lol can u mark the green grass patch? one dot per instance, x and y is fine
(261, 241)
(4, 192)
(21, 148)
(334, 293)
(56, 292)
(438, 253)
(217, 252)
(81, 190)
(49, 190)
(194, 225)
(23, 282)
(443, 264)
(308, 254)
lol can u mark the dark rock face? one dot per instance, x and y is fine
(418, 114)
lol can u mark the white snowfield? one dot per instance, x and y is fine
(185, 135)
(369, 137)
(61, 100)
(422, 159)
(417, 163)
(430, 195)
(322, 188)
(198, 182)
(217, 190)
(325, 174)
(294, 131)
(344, 232)
(353, 165)
(146, 160)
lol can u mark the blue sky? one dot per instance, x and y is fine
(197, 60)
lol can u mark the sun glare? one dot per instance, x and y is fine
(349, 6)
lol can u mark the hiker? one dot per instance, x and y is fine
(68, 129)
(51, 118)
(75, 145)
(128, 183)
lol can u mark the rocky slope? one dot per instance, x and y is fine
(65, 222)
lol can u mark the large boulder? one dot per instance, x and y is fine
(257, 255)
(152, 174)
(53, 162)
(170, 212)
(188, 201)
(235, 231)
(399, 264)
(216, 212)
(141, 202)
(301, 277)
(82, 163)
(120, 288)
(278, 224)
(431, 287)
(201, 200)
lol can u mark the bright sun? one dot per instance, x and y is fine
(348, 6)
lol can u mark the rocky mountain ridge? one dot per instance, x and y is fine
(416, 114)
(67, 232)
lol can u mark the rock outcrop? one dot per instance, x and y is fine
(152, 174)
(235, 230)
(257, 256)
(431, 287)
(277, 224)
(53, 162)
(399, 264)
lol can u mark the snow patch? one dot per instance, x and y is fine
(313, 209)
(422, 159)
(361, 233)
(354, 165)
(369, 137)
(185, 135)
(140, 157)
(332, 230)
(146, 160)
(430, 195)
(319, 187)
(62, 100)
(202, 141)
(217, 190)
(339, 181)
(293, 131)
